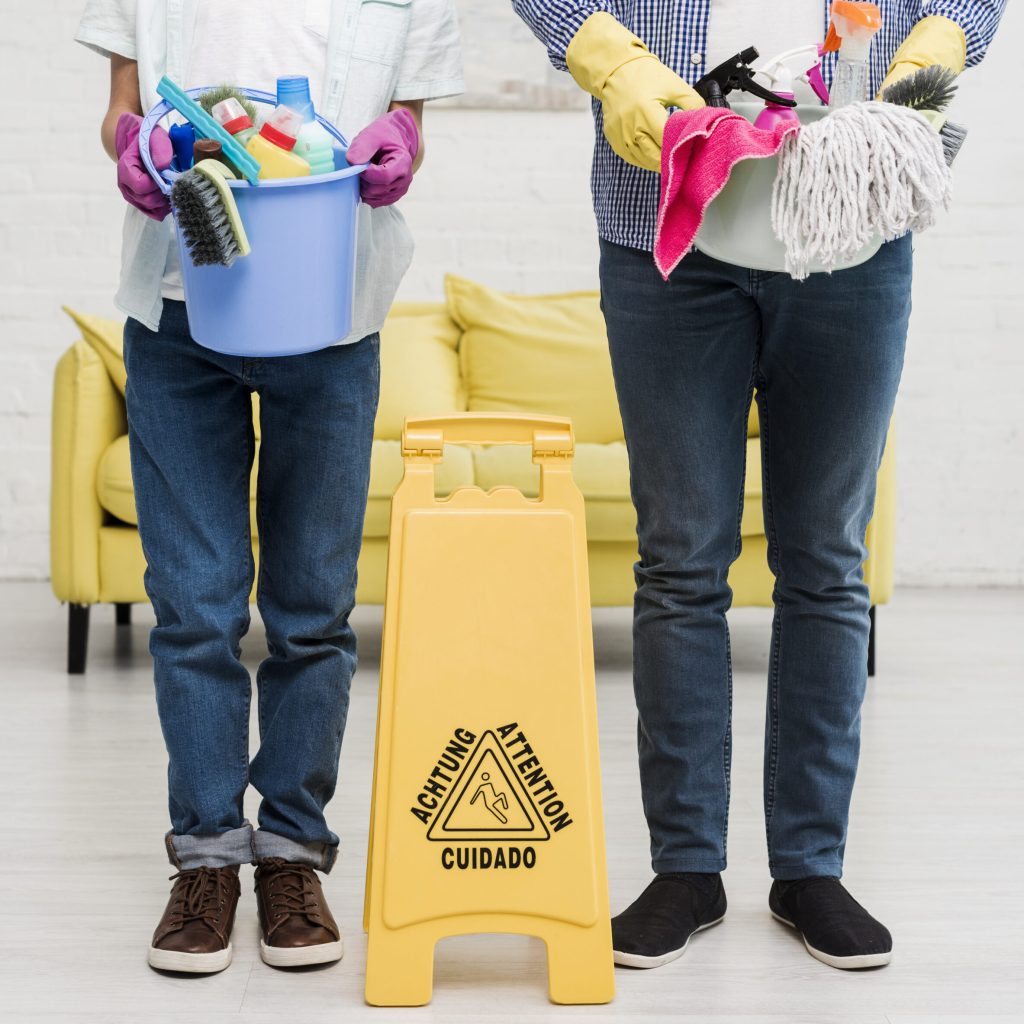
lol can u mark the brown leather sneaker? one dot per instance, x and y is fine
(298, 928)
(194, 935)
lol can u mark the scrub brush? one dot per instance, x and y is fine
(930, 90)
(209, 99)
(207, 215)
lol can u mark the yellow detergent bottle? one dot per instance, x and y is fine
(274, 144)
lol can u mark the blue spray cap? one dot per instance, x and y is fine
(293, 92)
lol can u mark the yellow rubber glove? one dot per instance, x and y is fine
(933, 40)
(634, 87)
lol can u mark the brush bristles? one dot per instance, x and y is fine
(931, 88)
(953, 136)
(202, 221)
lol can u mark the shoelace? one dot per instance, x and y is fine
(201, 893)
(288, 888)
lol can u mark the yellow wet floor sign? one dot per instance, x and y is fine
(486, 798)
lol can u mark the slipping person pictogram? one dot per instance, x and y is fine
(488, 801)
(493, 801)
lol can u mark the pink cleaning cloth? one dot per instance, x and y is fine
(697, 156)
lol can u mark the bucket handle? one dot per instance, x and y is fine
(549, 436)
(163, 108)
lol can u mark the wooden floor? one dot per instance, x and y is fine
(935, 845)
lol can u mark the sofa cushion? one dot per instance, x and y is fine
(538, 354)
(601, 472)
(116, 495)
(106, 337)
(455, 470)
(419, 367)
(752, 522)
(114, 482)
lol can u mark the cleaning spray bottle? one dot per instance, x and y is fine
(780, 80)
(853, 26)
(732, 74)
(231, 116)
(314, 143)
(273, 146)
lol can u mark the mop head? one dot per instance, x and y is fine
(867, 169)
(207, 216)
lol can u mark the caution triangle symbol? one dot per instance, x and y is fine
(488, 801)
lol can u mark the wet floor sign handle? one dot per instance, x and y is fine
(486, 812)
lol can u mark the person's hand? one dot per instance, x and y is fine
(933, 40)
(137, 187)
(634, 87)
(389, 145)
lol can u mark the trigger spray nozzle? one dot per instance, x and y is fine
(736, 73)
(781, 71)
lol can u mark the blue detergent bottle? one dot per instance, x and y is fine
(314, 144)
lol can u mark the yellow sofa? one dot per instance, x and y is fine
(478, 350)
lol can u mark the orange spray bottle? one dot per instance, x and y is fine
(853, 27)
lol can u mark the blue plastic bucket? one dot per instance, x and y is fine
(293, 293)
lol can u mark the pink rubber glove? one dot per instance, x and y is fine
(133, 179)
(389, 145)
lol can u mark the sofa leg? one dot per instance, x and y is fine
(124, 614)
(871, 643)
(78, 637)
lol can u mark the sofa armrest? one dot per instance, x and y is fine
(88, 414)
(879, 570)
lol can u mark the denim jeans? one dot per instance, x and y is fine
(192, 449)
(825, 356)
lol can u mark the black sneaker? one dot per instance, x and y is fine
(836, 929)
(656, 929)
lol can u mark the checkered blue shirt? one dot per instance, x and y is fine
(626, 197)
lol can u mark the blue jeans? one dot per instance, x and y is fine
(825, 356)
(192, 449)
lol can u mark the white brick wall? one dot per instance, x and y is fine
(504, 198)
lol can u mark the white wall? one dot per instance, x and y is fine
(504, 198)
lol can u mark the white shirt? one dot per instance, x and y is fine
(734, 25)
(251, 44)
(377, 51)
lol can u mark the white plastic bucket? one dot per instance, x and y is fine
(737, 226)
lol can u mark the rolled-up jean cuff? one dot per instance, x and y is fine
(829, 867)
(317, 855)
(220, 850)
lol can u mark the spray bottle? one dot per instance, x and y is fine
(780, 80)
(853, 27)
(231, 116)
(273, 146)
(314, 143)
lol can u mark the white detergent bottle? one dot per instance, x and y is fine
(853, 27)
(314, 143)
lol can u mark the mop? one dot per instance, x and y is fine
(867, 169)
